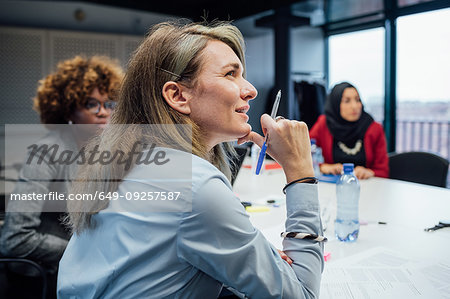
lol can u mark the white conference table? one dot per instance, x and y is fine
(406, 208)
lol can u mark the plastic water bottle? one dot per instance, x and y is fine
(317, 157)
(346, 226)
(254, 154)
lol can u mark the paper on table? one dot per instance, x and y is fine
(376, 282)
(375, 257)
(439, 276)
(382, 273)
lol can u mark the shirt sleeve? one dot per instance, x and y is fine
(314, 133)
(320, 133)
(20, 236)
(218, 238)
(380, 165)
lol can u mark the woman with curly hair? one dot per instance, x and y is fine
(80, 91)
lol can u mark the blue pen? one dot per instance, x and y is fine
(273, 114)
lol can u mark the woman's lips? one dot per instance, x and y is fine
(243, 109)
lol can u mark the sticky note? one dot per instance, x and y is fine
(257, 209)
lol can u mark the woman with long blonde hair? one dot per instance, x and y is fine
(172, 226)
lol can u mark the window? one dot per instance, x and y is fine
(358, 58)
(423, 88)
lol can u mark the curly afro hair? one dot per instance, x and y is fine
(62, 92)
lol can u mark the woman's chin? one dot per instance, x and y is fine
(233, 136)
(245, 132)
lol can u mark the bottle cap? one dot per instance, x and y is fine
(313, 141)
(348, 167)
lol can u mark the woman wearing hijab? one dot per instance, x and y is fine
(348, 134)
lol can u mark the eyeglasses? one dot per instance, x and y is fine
(93, 105)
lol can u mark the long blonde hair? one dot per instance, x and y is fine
(171, 51)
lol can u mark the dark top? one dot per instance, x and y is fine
(29, 231)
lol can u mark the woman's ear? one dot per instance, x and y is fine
(172, 93)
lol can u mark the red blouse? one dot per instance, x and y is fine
(374, 146)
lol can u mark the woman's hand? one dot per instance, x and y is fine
(285, 257)
(288, 143)
(331, 168)
(363, 173)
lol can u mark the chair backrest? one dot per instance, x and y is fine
(236, 162)
(419, 167)
(40, 270)
(5, 279)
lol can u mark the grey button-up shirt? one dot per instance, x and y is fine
(133, 253)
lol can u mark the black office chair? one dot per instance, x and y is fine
(236, 162)
(419, 167)
(40, 270)
(5, 278)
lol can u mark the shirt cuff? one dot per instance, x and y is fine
(302, 197)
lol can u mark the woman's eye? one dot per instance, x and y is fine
(230, 73)
(91, 104)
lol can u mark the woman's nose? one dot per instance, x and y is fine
(248, 91)
(355, 104)
(103, 112)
